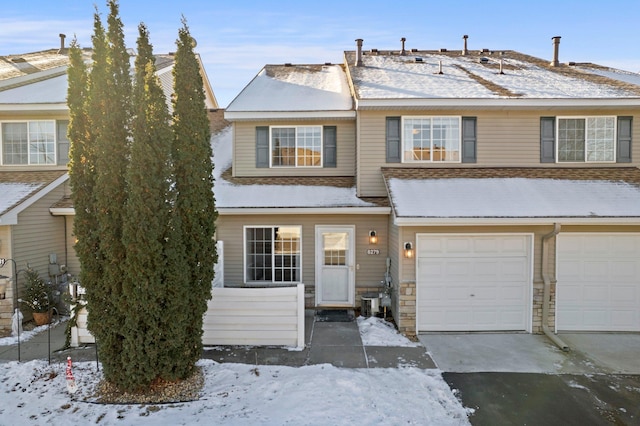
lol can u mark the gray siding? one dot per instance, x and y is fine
(244, 156)
(504, 139)
(371, 267)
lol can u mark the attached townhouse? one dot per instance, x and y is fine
(487, 189)
(36, 212)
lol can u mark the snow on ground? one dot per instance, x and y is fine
(26, 335)
(378, 332)
(240, 394)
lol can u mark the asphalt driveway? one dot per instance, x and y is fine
(523, 379)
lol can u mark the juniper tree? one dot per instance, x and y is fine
(195, 204)
(111, 119)
(151, 236)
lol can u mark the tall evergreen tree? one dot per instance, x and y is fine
(112, 152)
(195, 204)
(151, 236)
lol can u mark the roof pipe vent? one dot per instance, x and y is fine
(465, 51)
(359, 52)
(501, 71)
(62, 37)
(440, 67)
(403, 52)
(556, 51)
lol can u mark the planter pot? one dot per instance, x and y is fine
(42, 318)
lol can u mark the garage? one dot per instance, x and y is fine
(473, 282)
(598, 285)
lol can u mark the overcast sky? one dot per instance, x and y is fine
(236, 38)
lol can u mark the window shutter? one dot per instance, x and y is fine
(469, 139)
(547, 139)
(63, 142)
(262, 146)
(393, 140)
(330, 146)
(624, 139)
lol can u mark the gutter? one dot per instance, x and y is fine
(547, 290)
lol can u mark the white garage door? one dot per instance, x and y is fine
(598, 282)
(473, 282)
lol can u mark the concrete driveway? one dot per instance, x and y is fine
(526, 379)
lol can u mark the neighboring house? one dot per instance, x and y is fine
(36, 213)
(492, 180)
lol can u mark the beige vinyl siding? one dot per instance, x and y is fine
(73, 264)
(244, 156)
(5, 247)
(395, 254)
(369, 270)
(504, 139)
(39, 234)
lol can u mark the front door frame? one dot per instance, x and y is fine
(350, 264)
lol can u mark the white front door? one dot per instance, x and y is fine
(335, 272)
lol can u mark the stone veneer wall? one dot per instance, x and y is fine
(406, 318)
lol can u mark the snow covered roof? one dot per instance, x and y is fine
(280, 193)
(17, 187)
(535, 193)
(321, 90)
(389, 78)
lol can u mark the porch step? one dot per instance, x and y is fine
(335, 315)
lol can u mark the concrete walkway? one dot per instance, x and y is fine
(335, 343)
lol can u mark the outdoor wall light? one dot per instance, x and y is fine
(408, 250)
(373, 237)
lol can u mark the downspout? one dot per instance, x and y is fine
(547, 290)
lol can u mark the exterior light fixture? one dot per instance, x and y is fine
(373, 237)
(408, 250)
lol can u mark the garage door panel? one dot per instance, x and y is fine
(598, 286)
(475, 283)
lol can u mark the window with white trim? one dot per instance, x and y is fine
(586, 139)
(272, 254)
(29, 142)
(431, 139)
(296, 146)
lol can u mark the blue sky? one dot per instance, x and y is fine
(236, 38)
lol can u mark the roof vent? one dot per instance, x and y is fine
(62, 37)
(501, 63)
(464, 49)
(443, 50)
(359, 52)
(403, 52)
(374, 51)
(483, 60)
(328, 63)
(439, 68)
(556, 50)
(288, 64)
(484, 50)
(418, 59)
(414, 49)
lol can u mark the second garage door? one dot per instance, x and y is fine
(598, 282)
(473, 282)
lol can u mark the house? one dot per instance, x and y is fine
(36, 213)
(489, 189)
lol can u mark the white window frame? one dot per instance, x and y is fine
(586, 143)
(296, 128)
(273, 255)
(403, 139)
(29, 143)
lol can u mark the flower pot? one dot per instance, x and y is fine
(42, 318)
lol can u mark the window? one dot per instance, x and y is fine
(434, 139)
(272, 254)
(299, 146)
(586, 139)
(31, 142)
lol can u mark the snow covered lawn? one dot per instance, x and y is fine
(240, 394)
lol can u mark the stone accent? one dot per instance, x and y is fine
(406, 318)
(538, 292)
(216, 120)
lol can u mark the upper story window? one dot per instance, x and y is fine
(431, 139)
(297, 146)
(588, 139)
(29, 142)
(272, 254)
